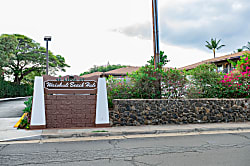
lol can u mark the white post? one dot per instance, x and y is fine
(102, 112)
(38, 119)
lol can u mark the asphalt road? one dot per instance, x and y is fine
(197, 150)
(12, 108)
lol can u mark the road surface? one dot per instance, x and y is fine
(12, 108)
(197, 150)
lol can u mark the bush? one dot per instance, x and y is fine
(10, 89)
(118, 89)
(173, 83)
(204, 82)
(237, 83)
(25, 122)
(146, 83)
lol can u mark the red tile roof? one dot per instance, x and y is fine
(214, 60)
(122, 71)
(116, 72)
(92, 74)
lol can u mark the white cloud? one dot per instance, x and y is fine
(191, 23)
(83, 31)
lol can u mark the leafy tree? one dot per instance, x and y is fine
(7, 46)
(102, 69)
(214, 45)
(28, 56)
(163, 60)
(247, 47)
(158, 73)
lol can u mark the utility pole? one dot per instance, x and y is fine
(155, 33)
(157, 83)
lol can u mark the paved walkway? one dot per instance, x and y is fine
(9, 133)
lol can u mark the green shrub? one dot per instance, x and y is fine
(28, 104)
(236, 84)
(204, 82)
(118, 88)
(25, 122)
(10, 89)
(146, 82)
(173, 83)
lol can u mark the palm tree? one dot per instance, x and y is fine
(247, 47)
(214, 45)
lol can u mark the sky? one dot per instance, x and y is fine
(96, 32)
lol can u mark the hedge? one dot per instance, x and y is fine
(10, 89)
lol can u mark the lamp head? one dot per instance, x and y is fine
(47, 38)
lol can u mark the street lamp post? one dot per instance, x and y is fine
(155, 33)
(47, 39)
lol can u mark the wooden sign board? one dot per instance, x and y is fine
(70, 85)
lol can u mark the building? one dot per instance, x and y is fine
(221, 62)
(116, 73)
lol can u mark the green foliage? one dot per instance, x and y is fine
(163, 60)
(143, 83)
(7, 45)
(173, 83)
(146, 82)
(140, 84)
(204, 81)
(214, 45)
(28, 56)
(118, 88)
(238, 50)
(25, 122)
(237, 83)
(247, 47)
(207, 83)
(10, 89)
(243, 63)
(28, 104)
(102, 69)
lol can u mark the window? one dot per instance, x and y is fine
(219, 68)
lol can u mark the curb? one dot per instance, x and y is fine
(125, 133)
(14, 98)
(28, 138)
(122, 133)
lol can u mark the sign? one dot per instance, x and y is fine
(64, 85)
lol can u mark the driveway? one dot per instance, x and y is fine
(12, 108)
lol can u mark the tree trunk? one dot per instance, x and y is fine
(16, 80)
(214, 52)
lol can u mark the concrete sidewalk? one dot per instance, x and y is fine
(8, 133)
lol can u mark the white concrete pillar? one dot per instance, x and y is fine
(102, 112)
(38, 119)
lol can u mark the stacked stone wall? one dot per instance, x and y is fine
(70, 111)
(134, 112)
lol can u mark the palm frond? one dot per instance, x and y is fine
(220, 46)
(209, 46)
(218, 42)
